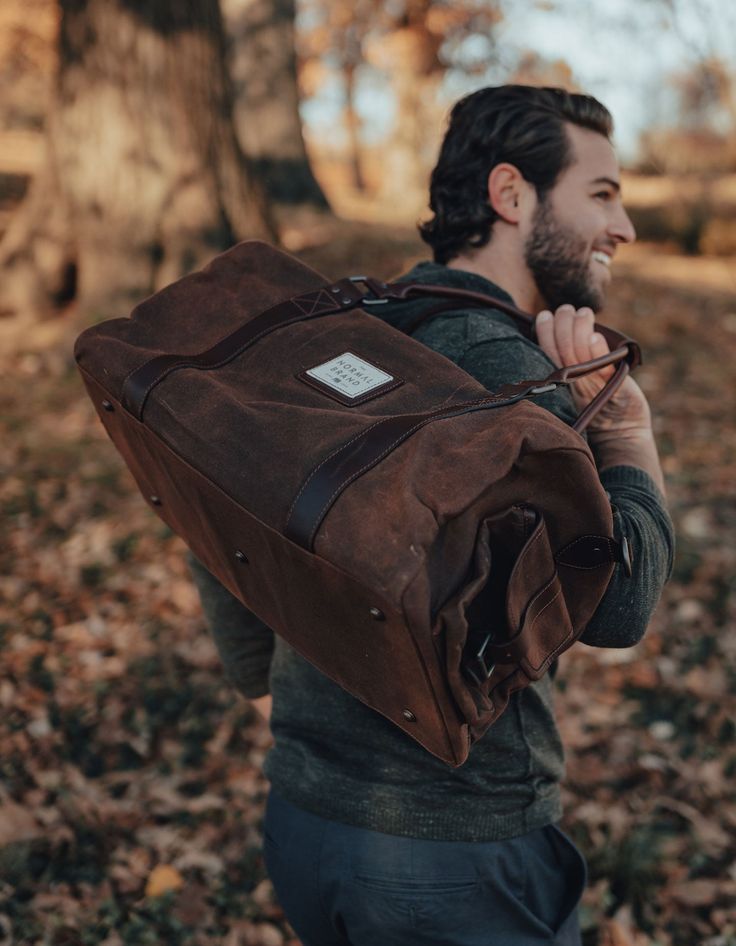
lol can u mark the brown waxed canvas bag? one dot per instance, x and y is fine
(427, 544)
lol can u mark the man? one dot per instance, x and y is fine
(369, 839)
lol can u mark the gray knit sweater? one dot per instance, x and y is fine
(336, 757)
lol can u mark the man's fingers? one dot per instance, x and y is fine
(598, 345)
(568, 336)
(545, 327)
(582, 329)
(564, 319)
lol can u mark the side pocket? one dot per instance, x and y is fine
(572, 866)
(536, 613)
(474, 621)
(511, 611)
(451, 628)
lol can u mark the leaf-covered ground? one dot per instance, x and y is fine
(130, 789)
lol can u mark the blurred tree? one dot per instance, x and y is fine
(707, 94)
(144, 178)
(700, 137)
(414, 43)
(263, 69)
(535, 69)
(700, 134)
(331, 41)
(26, 57)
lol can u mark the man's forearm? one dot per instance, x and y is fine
(635, 448)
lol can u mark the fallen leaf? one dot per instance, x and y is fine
(162, 879)
(16, 822)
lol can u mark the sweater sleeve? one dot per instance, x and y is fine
(245, 644)
(640, 514)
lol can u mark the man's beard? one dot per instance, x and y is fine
(559, 260)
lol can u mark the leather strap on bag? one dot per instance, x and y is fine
(344, 295)
(624, 351)
(351, 460)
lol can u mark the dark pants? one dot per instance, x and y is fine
(346, 886)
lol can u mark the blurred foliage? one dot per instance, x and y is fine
(693, 228)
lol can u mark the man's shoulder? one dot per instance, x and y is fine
(465, 325)
(474, 325)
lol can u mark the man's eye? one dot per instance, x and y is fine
(603, 195)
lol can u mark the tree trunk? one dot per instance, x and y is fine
(263, 69)
(144, 178)
(415, 74)
(357, 178)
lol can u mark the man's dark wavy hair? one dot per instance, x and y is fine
(518, 124)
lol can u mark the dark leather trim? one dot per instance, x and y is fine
(336, 297)
(525, 321)
(624, 351)
(344, 295)
(325, 483)
(591, 551)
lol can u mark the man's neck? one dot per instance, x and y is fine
(504, 271)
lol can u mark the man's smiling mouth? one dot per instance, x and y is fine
(600, 257)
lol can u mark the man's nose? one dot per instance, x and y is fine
(622, 229)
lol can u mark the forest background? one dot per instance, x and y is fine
(137, 139)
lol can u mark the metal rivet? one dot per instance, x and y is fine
(155, 500)
(108, 405)
(377, 614)
(335, 289)
(346, 300)
(408, 715)
(241, 556)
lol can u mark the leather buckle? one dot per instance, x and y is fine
(374, 286)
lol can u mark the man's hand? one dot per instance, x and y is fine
(568, 338)
(621, 432)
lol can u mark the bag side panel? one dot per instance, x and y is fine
(320, 610)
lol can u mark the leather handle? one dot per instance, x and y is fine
(525, 321)
(342, 296)
(624, 351)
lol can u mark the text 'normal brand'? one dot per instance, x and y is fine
(350, 375)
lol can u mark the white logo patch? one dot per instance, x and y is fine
(349, 375)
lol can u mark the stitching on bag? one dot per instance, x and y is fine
(530, 544)
(223, 361)
(327, 459)
(552, 601)
(318, 297)
(372, 462)
(367, 466)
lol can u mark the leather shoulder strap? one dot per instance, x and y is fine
(525, 321)
(624, 351)
(345, 294)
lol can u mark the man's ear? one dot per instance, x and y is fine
(507, 192)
